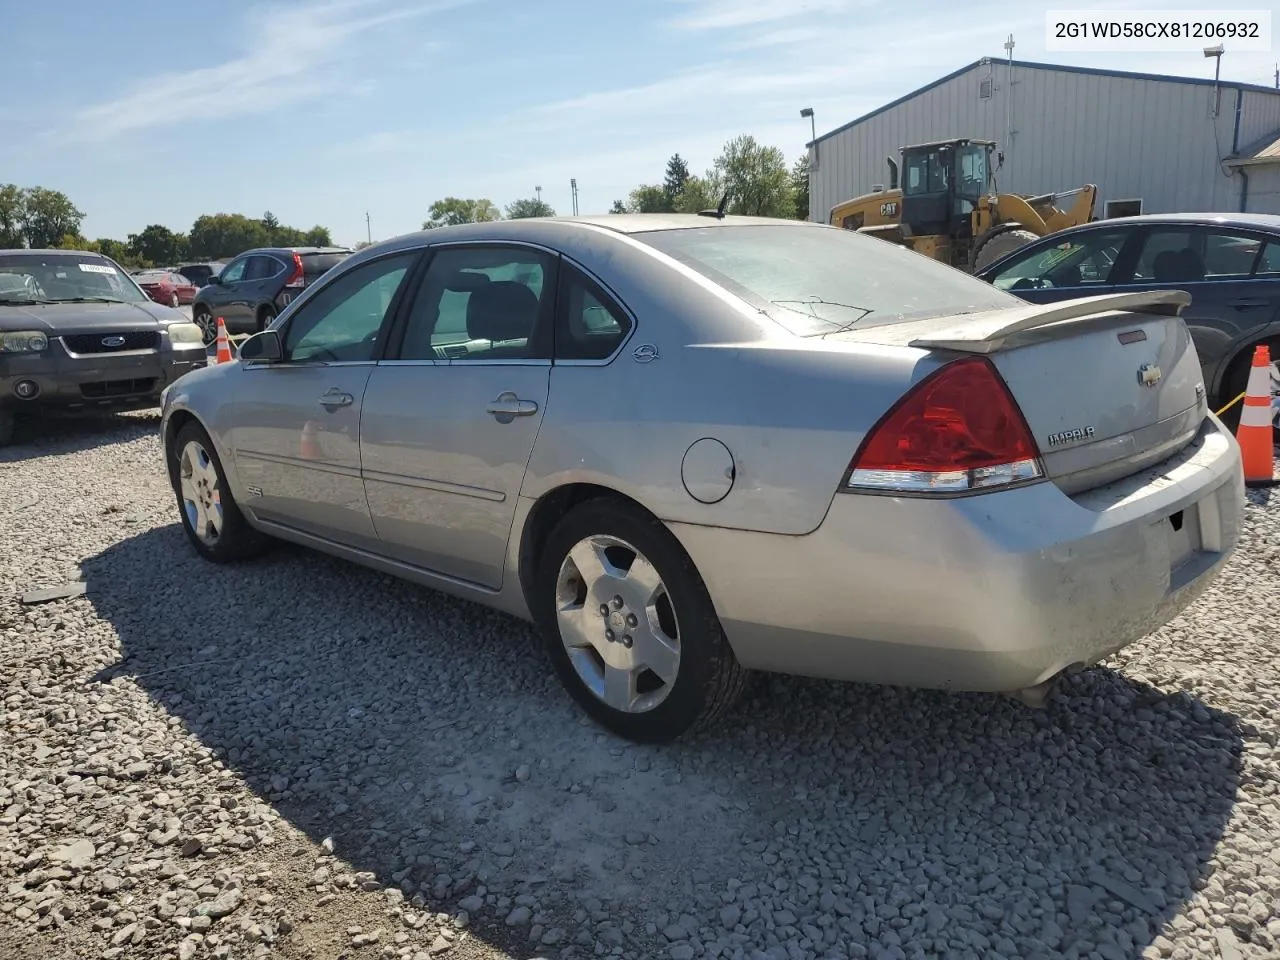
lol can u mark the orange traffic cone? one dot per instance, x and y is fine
(1255, 430)
(309, 443)
(224, 343)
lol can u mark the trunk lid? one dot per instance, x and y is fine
(1108, 385)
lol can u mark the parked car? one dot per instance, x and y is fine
(199, 273)
(164, 286)
(1229, 263)
(687, 447)
(255, 286)
(76, 332)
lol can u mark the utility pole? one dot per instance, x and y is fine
(538, 191)
(1278, 76)
(573, 188)
(368, 227)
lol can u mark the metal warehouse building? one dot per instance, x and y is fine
(1152, 144)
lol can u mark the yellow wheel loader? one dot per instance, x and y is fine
(948, 207)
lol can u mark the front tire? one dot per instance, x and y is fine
(998, 245)
(212, 520)
(629, 626)
(1237, 379)
(203, 319)
(174, 301)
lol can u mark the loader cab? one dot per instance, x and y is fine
(942, 183)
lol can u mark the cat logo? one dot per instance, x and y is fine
(889, 209)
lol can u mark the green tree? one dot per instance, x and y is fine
(529, 207)
(13, 203)
(158, 245)
(618, 207)
(270, 222)
(800, 187)
(649, 198)
(701, 193)
(317, 236)
(677, 176)
(756, 178)
(48, 216)
(452, 211)
(222, 235)
(117, 250)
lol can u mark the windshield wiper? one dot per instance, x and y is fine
(18, 302)
(88, 300)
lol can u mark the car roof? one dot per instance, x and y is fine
(45, 251)
(297, 250)
(1264, 221)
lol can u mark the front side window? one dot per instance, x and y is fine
(65, 277)
(817, 280)
(234, 272)
(340, 324)
(1080, 261)
(479, 303)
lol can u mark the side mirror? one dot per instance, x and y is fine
(264, 347)
(213, 280)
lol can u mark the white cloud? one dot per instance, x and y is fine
(722, 14)
(288, 44)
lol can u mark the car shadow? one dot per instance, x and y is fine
(55, 434)
(428, 738)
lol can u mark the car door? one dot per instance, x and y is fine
(1231, 304)
(450, 418)
(294, 425)
(1079, 264)
(261, 281)
(223, 296)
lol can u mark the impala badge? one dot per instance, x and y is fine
(645, 353)
(113, 341)
(1149, 374)
(1074, 435)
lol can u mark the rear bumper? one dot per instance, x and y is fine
(122, 380)
(989, 593)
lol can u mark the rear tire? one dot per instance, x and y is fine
(265, 316)
(607, 550)
(202, 318)
(8, 423)
(210, 517)
(1000, 244)
(1237, 379)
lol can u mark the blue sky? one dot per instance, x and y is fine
(149, 112)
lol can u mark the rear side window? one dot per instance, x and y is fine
(817, 280)
(589, 324)
(317, 264)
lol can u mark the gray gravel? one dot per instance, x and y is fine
(301, 758)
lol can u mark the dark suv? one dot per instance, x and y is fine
(199, 273)
(258, 284)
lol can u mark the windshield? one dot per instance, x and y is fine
(819, 280)
(64, 277)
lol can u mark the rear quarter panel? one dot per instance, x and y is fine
(791, 411)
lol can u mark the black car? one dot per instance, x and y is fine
(199, 273)
(77, 332)
(255, 286)
(1229, 263)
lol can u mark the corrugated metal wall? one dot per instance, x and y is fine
(1134, 138)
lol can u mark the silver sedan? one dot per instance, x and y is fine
(688, 447)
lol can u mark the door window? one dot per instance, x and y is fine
(1169, 256)
(235, 271)
(1269, 262)
(1083, 260)
(340, 324)
(480, 303)
(262, 268)
(589, 325)
(1230, 256)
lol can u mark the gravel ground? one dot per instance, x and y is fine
(301, 758)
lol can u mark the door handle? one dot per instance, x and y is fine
(1239, 304)
(335, 398)
(508, 406)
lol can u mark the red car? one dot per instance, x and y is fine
(162, 286)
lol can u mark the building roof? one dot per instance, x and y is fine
(1264, 151)
(1056, 67)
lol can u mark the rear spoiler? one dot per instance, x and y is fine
(988, 334)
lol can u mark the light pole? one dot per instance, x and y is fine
(1216, 53)
(813, 134)
(573, 189)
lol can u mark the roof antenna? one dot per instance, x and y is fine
(718, 212)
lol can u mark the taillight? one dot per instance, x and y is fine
(958, 430)
(296, 278)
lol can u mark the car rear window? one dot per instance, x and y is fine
(819, 280)
(314, 264)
